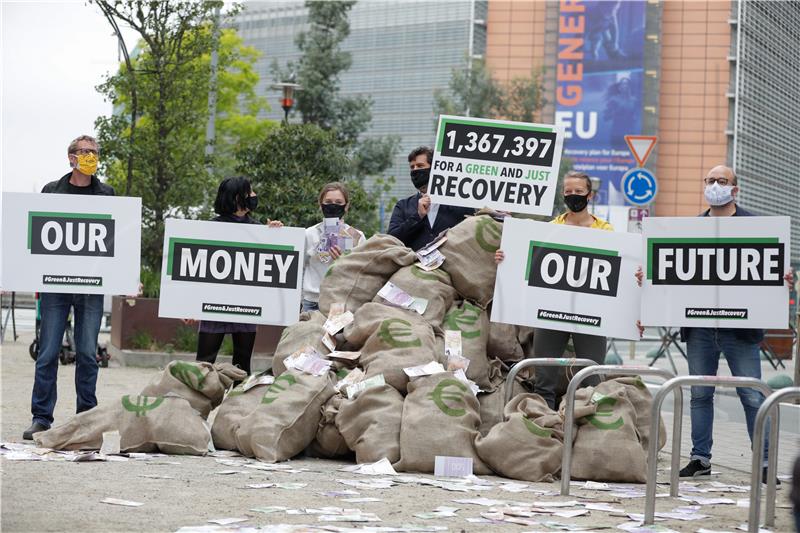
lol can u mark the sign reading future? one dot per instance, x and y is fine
(231, 272)
(508, 166)
(568, 278)
(716, 272)
(71, 243)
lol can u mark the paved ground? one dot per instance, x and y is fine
(188, 491)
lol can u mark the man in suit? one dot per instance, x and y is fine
(415, 220)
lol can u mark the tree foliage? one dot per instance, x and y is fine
(172, 64)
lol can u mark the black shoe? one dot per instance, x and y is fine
(695, 468)
(36, 427)
(764, 477)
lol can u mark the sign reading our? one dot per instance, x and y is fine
(241, 272)
(568, 278)
(509, 166)
(716, 272)
(71, 243)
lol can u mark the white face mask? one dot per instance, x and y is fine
(718, 195)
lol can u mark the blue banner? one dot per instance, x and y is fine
(599, 81)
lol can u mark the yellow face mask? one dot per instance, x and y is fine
(87, 164)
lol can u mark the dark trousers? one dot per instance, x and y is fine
(208, 345)
(552, 343)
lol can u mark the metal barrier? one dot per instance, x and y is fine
(652, 453)
(770, 405)
(539, 361)
(569, 411)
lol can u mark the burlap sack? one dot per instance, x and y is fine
(394, 339)
(354, 279)
(528, 444)
(503, 343)
(607, 445)
(642, 402)
(473, 322)
(237, 405)
(167, 424)
(492, 403)
(202, 384)
(440, 417)
(469, 257)
(286, 420)
(329, 442)
(435, 286)
(307, 332)
(370, 424)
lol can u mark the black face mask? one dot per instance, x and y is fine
(251, 203)
(420, 177)
(576, 202)
(333, 210)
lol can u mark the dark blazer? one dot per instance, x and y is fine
(416, 232)
(750, 336)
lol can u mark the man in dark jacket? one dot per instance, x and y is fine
(415, 220)
(82, 154)
(704, 345)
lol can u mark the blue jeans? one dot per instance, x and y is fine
(703, 349)
(54, 308)
(308, 305)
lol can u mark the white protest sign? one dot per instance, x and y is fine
(231, 272)
(508, 166)
(72, 243)
(568, 278)
(716, 272)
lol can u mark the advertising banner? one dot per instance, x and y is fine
(229, 272)
(568, 278)
(508, 166)
(71, 243)
(716, 272)
(599, 83)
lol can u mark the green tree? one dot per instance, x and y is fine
(289, 166)
(172, 66)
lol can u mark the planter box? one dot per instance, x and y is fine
(131, 315)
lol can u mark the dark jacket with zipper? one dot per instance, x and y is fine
(62, 186)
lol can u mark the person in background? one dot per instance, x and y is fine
(415, 220)
(551, 343)
(334, 202)
(82, 154)
(235, 203)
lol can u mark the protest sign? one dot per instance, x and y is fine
(568, 278)
(508, 166)
(231, 272)
(716, 272)
(71, 243)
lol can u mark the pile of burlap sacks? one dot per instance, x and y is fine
(407, 421)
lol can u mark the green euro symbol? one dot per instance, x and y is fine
(466, 316)
(274, 389)
(487, 234)
(142, 404)
(441, 395)
(188, 374)
(605, 408)
(433, 275)
(397, 333)
(536, 429)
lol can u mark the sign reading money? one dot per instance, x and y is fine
(231, 272)
(508, 166)
(716, 272)
(568, 278)
(71, 243)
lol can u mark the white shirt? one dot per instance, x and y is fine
(315, 269)
(433, 210)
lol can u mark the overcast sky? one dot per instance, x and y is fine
(53, 56)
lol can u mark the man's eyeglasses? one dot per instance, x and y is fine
(84, 151)
(712, 181)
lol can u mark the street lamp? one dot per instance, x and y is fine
(287, 102)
